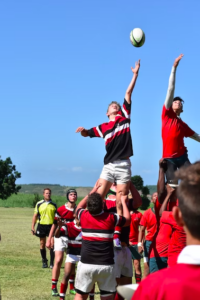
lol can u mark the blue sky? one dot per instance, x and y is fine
(63, 62)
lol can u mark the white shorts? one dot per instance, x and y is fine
(72, 258)
(118, 171)
(123, 262)
(60, 244)
(87, 275)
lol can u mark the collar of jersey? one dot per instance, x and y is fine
(78, 227)
(115, 117)
(71, 209)
(190, 255)
(47, 202)
(98, 214)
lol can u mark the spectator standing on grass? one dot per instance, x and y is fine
(44, 215)
(181, 281)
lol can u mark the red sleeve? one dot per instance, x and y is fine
(95, 132)
(140, 216)
(63, 231)
(143, 221)
(168, 112)
(79, 212)
(187, 130)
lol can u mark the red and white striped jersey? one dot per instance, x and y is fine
(65, 213)
(97, 236)
(116, 134)
(72, 231)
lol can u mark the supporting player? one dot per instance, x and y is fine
(133, 242)
(174, 130)
(181, 281)
(97, 256)
(122, 256)
(66, 213)
(44, 213)
(116, 133)
(148, 223)
(178, 238)
(72, 231)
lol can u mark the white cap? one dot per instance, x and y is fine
(127, 290)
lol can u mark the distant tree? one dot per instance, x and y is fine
(145, 190)
(8, 176)
(145, 203)
(138, 182)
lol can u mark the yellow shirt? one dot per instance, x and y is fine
(46, 211)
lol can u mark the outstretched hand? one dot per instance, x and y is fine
(177, 60)
(137, 67)
(82, 130)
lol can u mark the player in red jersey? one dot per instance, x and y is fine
(97, 256)
(174, 129)
(117, 136)
(72, 231)
(133, 242)
(181, 281)
(178, 238)
(148, 223)
(66, 213)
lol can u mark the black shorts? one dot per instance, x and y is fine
(173, 164)
(43, 230)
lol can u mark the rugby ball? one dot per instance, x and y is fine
(137, 37)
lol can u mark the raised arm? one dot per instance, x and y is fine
(170, 191)
(196, 137)
(137, 200)
(171, 87)
(133, 81)
(83, 131)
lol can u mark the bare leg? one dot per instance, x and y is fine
(57, 264)
(122, 190)
(104, 187)
(110, 297)
(80, 297)
(146, 270)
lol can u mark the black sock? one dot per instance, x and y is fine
(43, 254)
(52, 255)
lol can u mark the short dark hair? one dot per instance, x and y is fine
(114, 102)
(189, 197)
(47, 189)
(94, 204)
(178, 98)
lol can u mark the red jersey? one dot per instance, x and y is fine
(116, 134)
(180, 282)
(178, 238)
(97, 236)
(173, 132)
(149, 221)
(72, 231)
(134, 227)
(65, 213)
(160, 244)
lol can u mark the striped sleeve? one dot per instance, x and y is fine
(79, 213)
(95, 132)
(119, 220)
(126, 109)
(63, 231)
(57, 215)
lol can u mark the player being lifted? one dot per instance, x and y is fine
(174, 129)
(117, 136)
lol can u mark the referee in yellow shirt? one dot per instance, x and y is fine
(44, 213)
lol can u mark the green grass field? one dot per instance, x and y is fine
(21, 274)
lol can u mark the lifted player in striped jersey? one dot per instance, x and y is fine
(117, 136)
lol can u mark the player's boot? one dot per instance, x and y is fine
(72, 292)
(117, 244)
(54, 292)
(44, 263)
